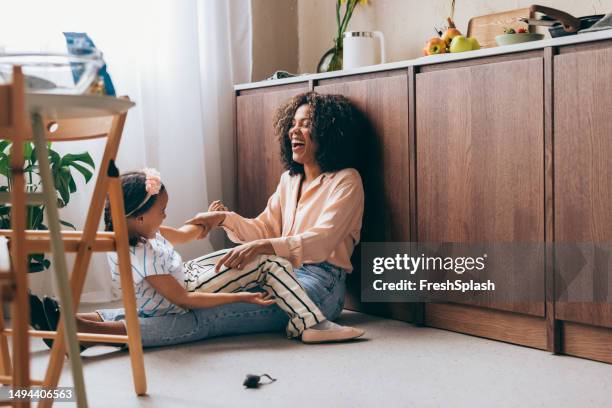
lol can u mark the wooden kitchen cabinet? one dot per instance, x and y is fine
(259, 165)
(583, 197)
(383, 100)
(480, 169)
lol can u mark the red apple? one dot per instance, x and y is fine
(450, 34)
(435, 45)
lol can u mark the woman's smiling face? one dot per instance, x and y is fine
(303, 148)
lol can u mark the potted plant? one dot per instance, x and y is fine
(61, 169)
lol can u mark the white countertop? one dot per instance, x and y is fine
(436, 59)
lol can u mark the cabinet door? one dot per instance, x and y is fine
(480, 168)
(583, 184)
(384, 102)
(259, 165)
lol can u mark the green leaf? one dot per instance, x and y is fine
(37, 257)
(67, 224)
(68, 180)
(4, 144)
(33, 157)
(72, 185)
(84, 157)
(4, 164)
(34, 267)
(27, 150)
(38, 262)
(54, 158)
(83, 170)
(62, 186)
(35, 217)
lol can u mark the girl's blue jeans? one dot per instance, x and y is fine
(325, 284)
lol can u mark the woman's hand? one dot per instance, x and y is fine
(217, 205)
(207, 220)
(241, 255)
(184, 234)
(191, 232)
(257, 298)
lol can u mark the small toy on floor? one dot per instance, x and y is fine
(253, 381)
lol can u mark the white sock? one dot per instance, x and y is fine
(326, 325)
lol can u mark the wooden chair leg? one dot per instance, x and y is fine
(59, 259)
(20, 305)
(20, 312)
(127, 284)
(5, 356)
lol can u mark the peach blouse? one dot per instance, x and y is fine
(323, 226)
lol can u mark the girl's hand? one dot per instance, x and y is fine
(258, 298)
(241, 255)
(207, 220)
(217, 205)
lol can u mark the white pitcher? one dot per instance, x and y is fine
(362, 48)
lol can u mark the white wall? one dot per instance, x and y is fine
(275, 41)
(408, 24)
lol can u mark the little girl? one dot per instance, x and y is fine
(164, 285)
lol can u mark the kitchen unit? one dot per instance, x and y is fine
(509, 144)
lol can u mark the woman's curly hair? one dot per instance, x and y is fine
(333, 127)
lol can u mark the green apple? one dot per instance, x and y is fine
(474, 42)
(460, 44)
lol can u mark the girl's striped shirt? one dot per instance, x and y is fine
(154, 256)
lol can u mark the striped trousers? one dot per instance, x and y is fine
(271, 273)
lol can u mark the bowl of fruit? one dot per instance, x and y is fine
(516, 36)
(450, 40)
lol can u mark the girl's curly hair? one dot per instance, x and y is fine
(333, 128)
(133, 184)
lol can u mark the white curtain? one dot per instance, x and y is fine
(178, 60)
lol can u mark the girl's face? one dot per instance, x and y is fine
(303, 148)
(147, 224)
